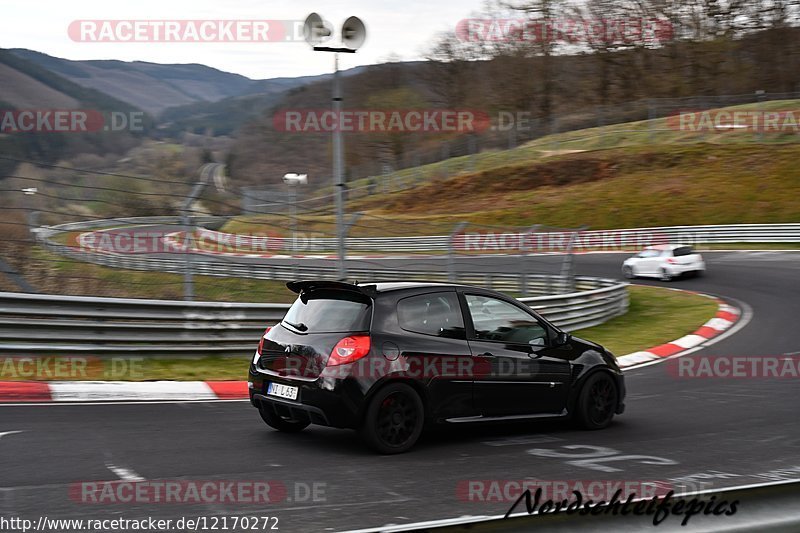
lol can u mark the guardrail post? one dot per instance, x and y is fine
(760, 98)
(525, 262)
(451, 260)
(188, 278)
(567, 267)
(347, 226)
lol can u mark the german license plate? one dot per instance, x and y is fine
(282, 391)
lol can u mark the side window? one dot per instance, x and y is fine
(437, 314)
(497, 320)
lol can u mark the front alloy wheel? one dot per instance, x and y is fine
(597, 401)
(627, 271)
(394, 419)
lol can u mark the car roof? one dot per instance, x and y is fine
(667, 246)
(385, 286)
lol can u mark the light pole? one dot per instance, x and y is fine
(31, 218)
(293, 180)
(315, 31)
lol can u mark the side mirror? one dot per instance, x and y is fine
(563, 338)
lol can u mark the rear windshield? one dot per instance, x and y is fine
(329, 312)
(683, 250)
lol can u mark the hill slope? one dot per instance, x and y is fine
(155, 87)
(627, 187)
(25, 85)
(32, 85)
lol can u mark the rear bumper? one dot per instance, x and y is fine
(287, 408)
(676, 270)
(324, 401)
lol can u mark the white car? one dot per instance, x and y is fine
(664, 261)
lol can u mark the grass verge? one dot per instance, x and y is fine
(656, 316)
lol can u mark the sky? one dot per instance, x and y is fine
(396, 29)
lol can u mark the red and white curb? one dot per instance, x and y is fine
(120, 391)
(727, 316)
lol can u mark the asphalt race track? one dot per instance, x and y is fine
(723, 432)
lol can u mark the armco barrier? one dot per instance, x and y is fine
(33, 323)
(698, 235)
(731, 233)
(535, 284)
(242, 268)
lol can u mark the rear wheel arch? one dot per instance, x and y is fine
(418, 387)
(394, 418)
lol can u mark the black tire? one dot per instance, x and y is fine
(597, 401)
(665, 276)
(627, 271)
(394, 419)
(275, 421)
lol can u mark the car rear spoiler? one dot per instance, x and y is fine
(302, 286)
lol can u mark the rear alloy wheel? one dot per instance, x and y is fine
(665, 275)
(276, 421)
(394, 419)
(597, 401)
(627, 271)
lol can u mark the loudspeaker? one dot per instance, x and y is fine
(353, 33)
(315, 30)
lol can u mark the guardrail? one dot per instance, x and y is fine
(59, 324)
(524, 283)
(599, 239)
(232, 266)
(84, 225)
(34, 323)
(708, 234)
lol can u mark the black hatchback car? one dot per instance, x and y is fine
(389, 358)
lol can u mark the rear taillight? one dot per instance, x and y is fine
(349, 349)
(261, 342)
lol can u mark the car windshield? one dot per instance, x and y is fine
(329, 312)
